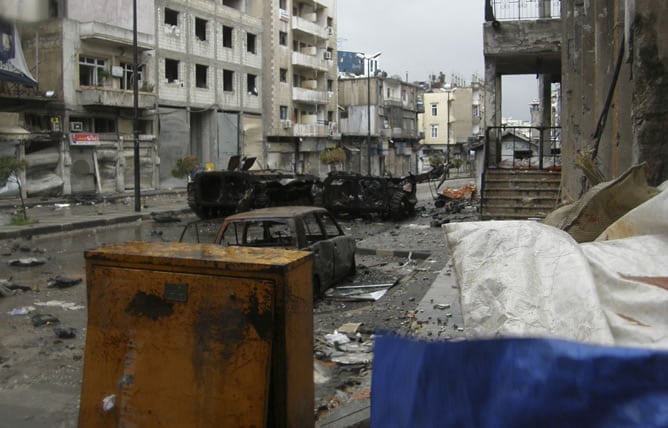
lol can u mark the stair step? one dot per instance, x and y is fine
(524, 201)
(525, 192)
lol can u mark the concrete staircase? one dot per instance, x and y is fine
(519, 194)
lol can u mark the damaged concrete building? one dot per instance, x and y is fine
(299, 99)
(78, 116)
(216, 79)
(379, 131)
(609, 58)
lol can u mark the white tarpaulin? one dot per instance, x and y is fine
(522, 278)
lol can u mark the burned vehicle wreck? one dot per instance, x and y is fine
(214, 194)
(360, 195)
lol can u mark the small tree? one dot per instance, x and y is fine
(8, 166)
(185, 166)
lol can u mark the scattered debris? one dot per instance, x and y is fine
(6, 291)
(165, 217)
(43, 319)
(337, 338)
(25, 310)
(350, 328)
(442, 306)
(62, 282)
(108, 403)
(58, 303)
(27, 262)
(65, 333)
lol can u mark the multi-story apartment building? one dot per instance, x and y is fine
(216, 78)
(452, 120)
(208, 76)
(386, 140)
(300, 105)
(79, 116)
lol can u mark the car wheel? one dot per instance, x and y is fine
(400, 207)
(316, 288)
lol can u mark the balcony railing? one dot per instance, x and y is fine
(518, 10)
(523, 147)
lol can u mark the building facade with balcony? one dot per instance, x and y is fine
(208, 77)
(452, 121)
(393, 106)
(80, 114)
(299, 75)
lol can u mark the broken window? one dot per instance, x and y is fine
(200, 29)
(330, 85)
(283, 4)
(91, 71)
(283, 38)
(201, 72)
(171, 17)
(283, 75)
(227, 36)
(171, 70)
(251, 84)
(250, 43)
(127, 81)
(331, 229)
(228, 80)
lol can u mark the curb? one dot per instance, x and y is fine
(33, 230)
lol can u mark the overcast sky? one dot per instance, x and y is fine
(423, 37)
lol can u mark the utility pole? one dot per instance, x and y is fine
(135, 121)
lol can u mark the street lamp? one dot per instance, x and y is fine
(135, 115)
(368, 105)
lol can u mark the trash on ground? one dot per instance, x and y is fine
(43, 319)
(65, 333)
(25, 310)
(62, 282)
(6, 291)
(27, 262)
(350, 328)
(359, 293)
(465, 192)
(337, 338)
(351, 359)
(58, 303)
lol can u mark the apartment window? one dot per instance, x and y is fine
(171, 70)
(228, 80)
(476, 111)
(200, 29)
(434, 109)
(127, 81)
(201, 73)
(283, 4)
(91, 71)
(235, 4)
(227, 36)
(283, 75)
(434, 131)
(330, 21)
(330, 85)
(251, 84)
(250, 43)
(330, 116)
(171, 17)
(283, 110)
(283, 38)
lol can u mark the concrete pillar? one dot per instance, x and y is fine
(545, 115)
(650, 90)
(493, 94)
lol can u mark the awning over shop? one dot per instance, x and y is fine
(13, 67)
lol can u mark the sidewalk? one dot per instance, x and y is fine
(68, 213)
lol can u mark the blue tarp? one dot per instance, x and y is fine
(516, 383)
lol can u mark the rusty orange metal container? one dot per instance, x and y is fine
(185, 335)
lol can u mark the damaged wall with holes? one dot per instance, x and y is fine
(599, 35)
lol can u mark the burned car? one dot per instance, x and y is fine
(300, 228)
(219, 193)
(356, 194)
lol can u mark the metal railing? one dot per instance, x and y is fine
(523, 147)
(518, 10)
